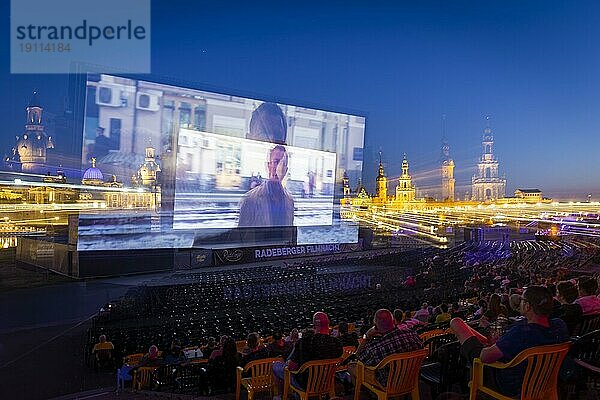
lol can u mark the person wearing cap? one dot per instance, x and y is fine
(537, 329)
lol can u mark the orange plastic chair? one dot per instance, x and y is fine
(541, 375)
(403, 375)
(261, 377)
(347, 352)
(240, 344)
(142, 378)
(133, 359)
(429, 334)
(321, 379)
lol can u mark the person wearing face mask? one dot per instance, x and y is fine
(269, 204)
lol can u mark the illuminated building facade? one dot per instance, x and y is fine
(115, 195)
(447, 172)
(487, 185)
(405, 191)
(381, 185)
(529, 195)
(30, 151)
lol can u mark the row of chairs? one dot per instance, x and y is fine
(404, 369)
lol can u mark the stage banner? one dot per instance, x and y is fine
(192, 258)
(268, 253)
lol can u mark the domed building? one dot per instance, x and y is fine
(93, 175)
(32, 145)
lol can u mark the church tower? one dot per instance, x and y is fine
(346, 185)
(33, 143)
(147, 174)
(447, 169)
(381, 184)
(487, 185)
(405, 191)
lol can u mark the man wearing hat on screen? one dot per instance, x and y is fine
(102, 144)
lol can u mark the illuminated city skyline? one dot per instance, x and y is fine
(403, 66)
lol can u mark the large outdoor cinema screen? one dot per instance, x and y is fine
(176, 167)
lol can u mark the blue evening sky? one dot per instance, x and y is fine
(533, 66)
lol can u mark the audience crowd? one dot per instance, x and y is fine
(497, 298)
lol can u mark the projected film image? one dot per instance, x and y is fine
(175, 167)
(229, 182)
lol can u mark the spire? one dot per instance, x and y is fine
(380, 166)
(445, 145)
(404, 165)
(34, 101)
(443, 127)
(487, 132)
(93, 162)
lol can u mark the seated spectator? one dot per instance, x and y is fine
(495, 309)
(307, 332)
(444, 316)
(590, 304)
(433, 313)
(312, 346)
(409, 322)
(279, 347)
(423, 314)
(456, 311)
(209, 347)
(515, 303)
(347, 338)
(568, 311)
(481, 310)
(174, 355)
(222, 368)
(293, 337)
(219, 349)
(103, 353)
(103, 344)
(383, 339)
(536, 330)
(552, 289)
(150, 359)
(254, 350)
(398, 316)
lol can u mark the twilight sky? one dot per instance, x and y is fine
(531, 65)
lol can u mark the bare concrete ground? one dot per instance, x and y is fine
(50, 364)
